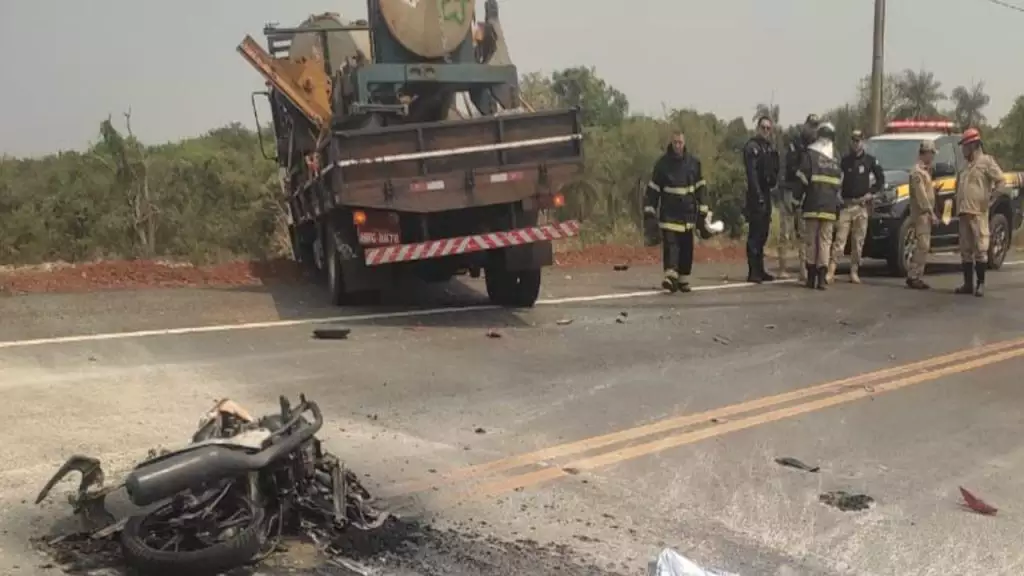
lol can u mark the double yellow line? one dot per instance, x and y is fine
(711, 423)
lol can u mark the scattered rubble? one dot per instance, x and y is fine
(845, 501)
(493, 334)
(976, 504)
(795, 463)
(331, 333)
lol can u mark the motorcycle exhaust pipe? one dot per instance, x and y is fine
(160, 479)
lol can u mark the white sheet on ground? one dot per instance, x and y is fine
(671, 563)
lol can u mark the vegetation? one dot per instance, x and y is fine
(214, 197)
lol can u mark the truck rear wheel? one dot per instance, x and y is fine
(518, 289)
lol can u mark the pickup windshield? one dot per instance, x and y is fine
(894, 154)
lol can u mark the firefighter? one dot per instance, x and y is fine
(858, 192)
(922, 214)
(790, 221)
(974, 183)
(762, 164)
(676, 195)
(819, 197)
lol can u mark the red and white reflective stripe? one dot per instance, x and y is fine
(467, 244)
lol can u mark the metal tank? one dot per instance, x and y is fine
(343, 45)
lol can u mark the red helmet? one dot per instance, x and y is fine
(970, 135)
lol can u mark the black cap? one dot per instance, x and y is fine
(812, 119)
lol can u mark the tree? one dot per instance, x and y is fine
(535, 89)
(968, 104)
(600, 103)
(919, 94)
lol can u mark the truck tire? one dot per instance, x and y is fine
(999, 241)
(902, 246)
(333, 272)
(512, 289)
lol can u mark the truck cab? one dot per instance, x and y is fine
(890, 236)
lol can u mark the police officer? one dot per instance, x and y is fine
(922, 214)
(858, 167)
(762, 164)
(974, 183)
(790, 221)
(819, 195)
(676, 195)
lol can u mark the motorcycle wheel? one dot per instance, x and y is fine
(161, 543)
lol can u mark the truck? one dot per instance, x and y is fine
(890, 234)
(405, 150)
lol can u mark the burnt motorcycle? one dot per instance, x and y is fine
(228, 497)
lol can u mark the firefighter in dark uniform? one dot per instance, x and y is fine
(676, 195)
(762, 164)
(790, 221)
(821, 179)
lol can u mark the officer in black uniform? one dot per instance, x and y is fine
(676, 195)
(761, 159)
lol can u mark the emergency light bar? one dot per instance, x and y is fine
(919, 125)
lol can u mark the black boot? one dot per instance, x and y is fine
(979, 270)
(765, 276)
(968, 285)
(822, 273)
(753, 272)
(812, 276)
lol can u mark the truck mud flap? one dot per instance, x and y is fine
(519, 237)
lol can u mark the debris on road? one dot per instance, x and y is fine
(493, 334)
(480, 431)
(845, 501)
(621, 319)
(977, 504)
(226, 499)
(795, 463)
(770, 326)
(331, 333)
(671, 563)
(722, 340)
(621, 267)
(564, 322)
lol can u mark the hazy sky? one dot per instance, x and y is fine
(67, 64)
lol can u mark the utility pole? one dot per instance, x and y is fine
(877, 68)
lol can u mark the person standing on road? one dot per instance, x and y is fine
(790, 221)
(821, 180)
(761, 159)
(974, 184)
(922, 214)
(676, 195)
(858, 192)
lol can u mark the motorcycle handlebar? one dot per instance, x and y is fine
(157, 480)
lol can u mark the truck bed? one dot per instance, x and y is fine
(441, 166)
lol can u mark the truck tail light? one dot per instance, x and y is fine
(359, 217)
(558, 201)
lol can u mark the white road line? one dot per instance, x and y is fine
(357, 317)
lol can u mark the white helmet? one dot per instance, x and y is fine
(827, 130)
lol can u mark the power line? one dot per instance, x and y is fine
(1006, 5)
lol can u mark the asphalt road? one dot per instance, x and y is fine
(608, 419)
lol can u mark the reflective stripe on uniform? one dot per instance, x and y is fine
(704, 209)
(802, 177)
(700, 183)
(682, 191)
(826, 179)
(820, 215)
(673, 227)
(653, 186)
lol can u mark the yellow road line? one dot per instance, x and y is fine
(670, 424)
(628, 453)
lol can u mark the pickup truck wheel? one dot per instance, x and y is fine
(999, 241)
(513, 289)
(902, 249)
